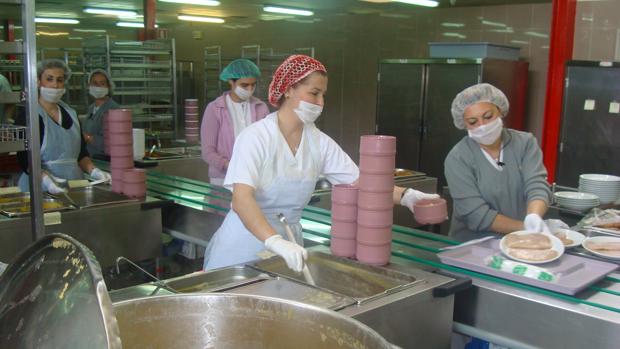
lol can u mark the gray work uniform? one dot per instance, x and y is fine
(93, 124)
(480, 191)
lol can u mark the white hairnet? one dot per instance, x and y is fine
(476, 94)
(107, 76)
(52, 63)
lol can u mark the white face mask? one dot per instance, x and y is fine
(51, 95)
(308, 112)
(487, 134)
(243, 94)
(98, 92)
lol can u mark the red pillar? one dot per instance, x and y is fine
(560, 51)
(149, 20)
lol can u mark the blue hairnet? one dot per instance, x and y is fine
(476, 94)
(239, 69)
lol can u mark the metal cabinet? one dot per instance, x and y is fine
(590, 131)
(414, 99)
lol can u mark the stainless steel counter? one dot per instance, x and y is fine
(128, 229)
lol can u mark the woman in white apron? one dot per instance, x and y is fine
(274, 168)
(63, 149)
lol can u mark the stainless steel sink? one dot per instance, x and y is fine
(343, 276)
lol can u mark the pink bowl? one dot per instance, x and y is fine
(119, 115)
(121, 161)
(343, 229)
(430, 211)
(375, 201)
(133, 192)
(191, 102)
(117, 185)
(120, 127)
(373, 255)
(191, 140)
(191, 123)
(121, 150)
(345, 213)
(345, 194)
(374, 236)
(190, 109)
(377, 144)
(343, 247)
(375, 218)
(378, 164)
(134, 175)
(376, 182)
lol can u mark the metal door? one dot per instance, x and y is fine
(439, 135)
(590, 135)
(399, 106)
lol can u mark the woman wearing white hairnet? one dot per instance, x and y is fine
(100, 87)
(496, 176)
(63, 149)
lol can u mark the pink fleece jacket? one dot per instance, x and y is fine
(217, 135)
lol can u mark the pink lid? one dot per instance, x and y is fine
(119, 114)
(376, 182)
(377, 144)
(375, 201)
(377, 164)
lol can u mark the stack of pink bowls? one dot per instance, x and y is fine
(106, 134)
(134, 183)
(191, 121)
(375, 207)
(344, 217)
(121, 145)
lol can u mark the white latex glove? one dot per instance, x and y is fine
(293, 254)
(49, 186)
(555, 224)
(98, 175)
(534, 223)
(411, 196)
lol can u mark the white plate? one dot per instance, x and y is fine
(600, 239)
(575, 195)
(556, 245)
(576, 236)
(599, 177)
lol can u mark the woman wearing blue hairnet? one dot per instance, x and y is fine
(228, 115)
(495, 175)
(100, 87)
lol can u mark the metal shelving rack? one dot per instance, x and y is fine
(14, 138)
(265, 58)
(144, 73)
(77, 92)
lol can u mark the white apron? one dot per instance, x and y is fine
(60, 148)
(232, 243)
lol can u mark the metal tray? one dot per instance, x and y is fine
(344, 276)
(216, 280)
(20, 209)
(575, 273)
(23, 198)
(295, 291)
(402, 174)
(161, 155)
(95, 196)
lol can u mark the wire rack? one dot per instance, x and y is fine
(12, 138)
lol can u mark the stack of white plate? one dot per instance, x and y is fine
(606, 187)
(576, 200)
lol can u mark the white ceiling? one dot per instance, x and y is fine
(233, 11)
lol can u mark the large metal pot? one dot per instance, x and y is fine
(226, 321)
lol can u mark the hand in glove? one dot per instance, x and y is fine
(411, 196)
(293, 254)
(534, 223)
(555, 224)
(98, 174)
(49, 186)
